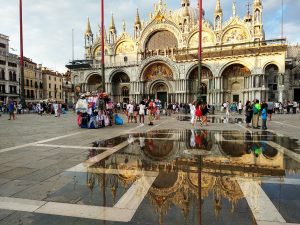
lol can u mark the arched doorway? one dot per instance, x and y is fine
(156, 77)
(234, 82)
(160, 91)
(120, 87)
(271, 73)
(193, 83)
(94, 83)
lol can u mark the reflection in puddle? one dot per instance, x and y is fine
(215, 119)
(196, 174)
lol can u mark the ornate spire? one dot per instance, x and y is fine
(234, 9)
(218, 7)
(186, 11)
(257, 2)
(137, 18)
(185, 3)
(88, 31)
(112, 23)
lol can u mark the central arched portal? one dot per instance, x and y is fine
(193, 83)
(156, 77)
(160, 91)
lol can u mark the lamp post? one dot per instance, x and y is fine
(21, 56)
(199, 98)
(102, 46)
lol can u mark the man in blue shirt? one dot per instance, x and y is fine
(11, 107)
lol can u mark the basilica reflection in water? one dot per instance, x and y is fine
(196, 171)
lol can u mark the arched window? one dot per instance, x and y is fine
(10, 76)
(125, 91)
(2, 74)
(14, 76)
(162, 40)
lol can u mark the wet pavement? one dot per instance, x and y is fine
(158, 176)
(215, 119)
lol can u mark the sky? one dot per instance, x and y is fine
(48, 24)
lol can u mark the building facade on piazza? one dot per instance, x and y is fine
(33, 81)
(9, 72)
(160, 59)
(52, 85)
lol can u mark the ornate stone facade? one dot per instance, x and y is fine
(161, 59)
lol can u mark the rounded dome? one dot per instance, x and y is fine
(179, 14)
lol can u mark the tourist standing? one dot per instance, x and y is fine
(264, 116)
(204, 113)
(55, 107)
(270, 109)
(151, 112)
(198, 114)
(249, 114)
(192, 111)
(142, 112)
(294, 107)
(130, 112)
(11, 106)
(240, 107)
(256, 112)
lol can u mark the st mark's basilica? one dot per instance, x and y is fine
(160, 60)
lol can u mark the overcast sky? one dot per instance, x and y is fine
(48, 24)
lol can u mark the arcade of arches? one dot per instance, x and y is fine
(235, 83)
(120, 87)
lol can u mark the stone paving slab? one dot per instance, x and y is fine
(14, 186)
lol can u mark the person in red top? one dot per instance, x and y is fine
(151, 112)
(198, 114)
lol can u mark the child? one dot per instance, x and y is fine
(264, 116)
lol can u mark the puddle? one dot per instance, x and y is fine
(196, 176)
(215, 119)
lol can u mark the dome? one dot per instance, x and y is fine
(179, 14)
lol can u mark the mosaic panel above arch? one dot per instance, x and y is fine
(235, 35)
(158, 71)
(208, 39)
(206, 73)
(162, 39)
(125, 47)
(236, 70)
(97, 51)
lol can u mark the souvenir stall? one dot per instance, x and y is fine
(95, 110)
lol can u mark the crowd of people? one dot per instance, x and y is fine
(277, 107)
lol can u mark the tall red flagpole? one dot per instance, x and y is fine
(21, 56)
(200, 53)
(102, 46)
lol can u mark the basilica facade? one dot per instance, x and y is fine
(160, 60)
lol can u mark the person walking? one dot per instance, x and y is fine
(256, 112)
(249, 114)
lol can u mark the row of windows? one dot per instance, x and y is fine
(30, 84)
(54, 96)
(12, 89)
(12, 75)
(55, 87)
(54, 78)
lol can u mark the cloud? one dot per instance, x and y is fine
(48, 24)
